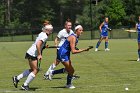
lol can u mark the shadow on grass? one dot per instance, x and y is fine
(132, 60)
(57, 78)
(99, 50)
(31, 89)
(59, 87)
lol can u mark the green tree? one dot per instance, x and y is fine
(2, 14)
(36, 11)
(132, 8)
(115, 11)
(137, 7)
(28, 13)
(68, 9)
(110, 8)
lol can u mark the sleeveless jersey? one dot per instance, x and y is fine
(33, 49)
(63, 53)
(104, 29)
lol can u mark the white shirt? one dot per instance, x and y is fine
(33, 49)
(62, 35)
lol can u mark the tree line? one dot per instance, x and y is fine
(32, 13)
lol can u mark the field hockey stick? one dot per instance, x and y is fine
(75, 77)
(132, 31)
(38, 64)
(109, 29)
(89, 47)
(51, 46)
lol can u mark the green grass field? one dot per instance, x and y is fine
(100, 72)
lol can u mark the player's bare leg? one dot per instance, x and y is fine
(138, 52)
(98, 43)
(31, 76)
(106, 44)
(70, 71)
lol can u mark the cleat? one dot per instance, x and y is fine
(50, 75)
(70, 86)
(107, 49)
(46, 76)
(65, 71)
(138, 59)
(75, 77)
(96, 49)
(15, 81)
(26, 88)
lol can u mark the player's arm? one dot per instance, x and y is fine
(136, 27)
(109, 29)
(38, 46)
(56, 41)
(100, 27)
(72, 40)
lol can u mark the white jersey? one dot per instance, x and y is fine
(62, 35)
(33, 49)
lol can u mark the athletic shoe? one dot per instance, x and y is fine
(65, 71)
(75, 77)
(96, 49)
(138, 59)
(70, 86)
(26, 88)
(50, 75)
(107, 49)
(15, 81)
(46, 76)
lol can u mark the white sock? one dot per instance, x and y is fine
(50, 68)
(30, 77)
(24, 74)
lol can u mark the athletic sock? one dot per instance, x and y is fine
(30, 77)
(62, 70)
(106, 45)
(139, 52)
(98, 44)
(69, 79)
(50, 68)
(24, 74)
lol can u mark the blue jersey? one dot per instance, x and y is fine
(63, 53)
(138, 29)
(104, 29)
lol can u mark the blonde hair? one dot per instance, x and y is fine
(46, 22)
(68, 20)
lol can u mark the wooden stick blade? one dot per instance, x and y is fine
(133, 31)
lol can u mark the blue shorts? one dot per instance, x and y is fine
(104, 34)
(63, 56)
(138, 38)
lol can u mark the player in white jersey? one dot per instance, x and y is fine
(34, 54)
(62, 35)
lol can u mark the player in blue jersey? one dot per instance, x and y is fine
(138, 30)
(34, 54)
(59, 40)
(63, 55)
(104, 34)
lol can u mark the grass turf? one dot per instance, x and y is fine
(100, 72)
